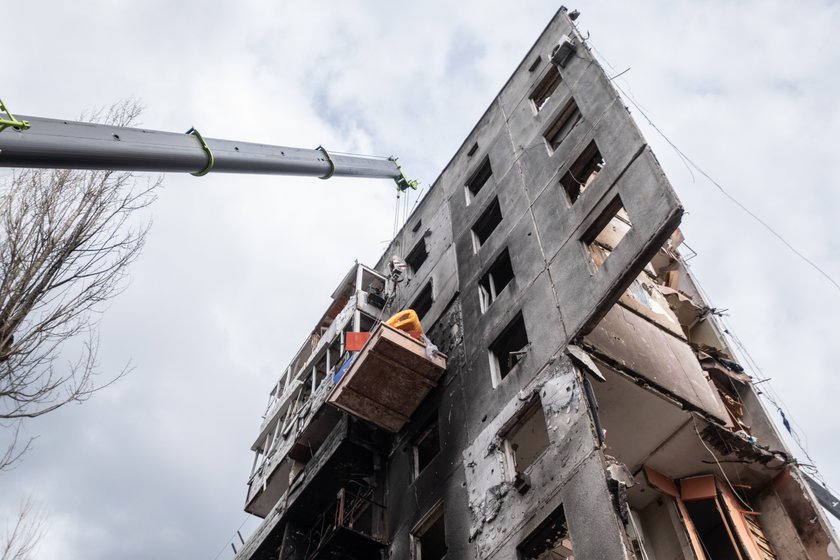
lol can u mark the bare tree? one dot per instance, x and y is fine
(20, 541)
(66, 240)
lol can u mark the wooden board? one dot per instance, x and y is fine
(388, 379)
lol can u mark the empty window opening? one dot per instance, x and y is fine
(366, 323)
(535, 64)
(582, 172)
(562, 126)
(508, 349)
(473, 150)
(417, 256)
(549, 541)
(545, 89)
(498, 276)
(486, 224)
(478, 179)
(713, 513)
(416, 227)
(713, 532)
(429, 536)
(526, 440)
(426, 446)
(605, 234)
(424, 300)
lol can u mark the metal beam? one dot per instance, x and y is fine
(829, 501)
(60, 144)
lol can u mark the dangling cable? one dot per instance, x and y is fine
(396, 217)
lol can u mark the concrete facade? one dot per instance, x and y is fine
(584, 400)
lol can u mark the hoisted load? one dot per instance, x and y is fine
(391, 375)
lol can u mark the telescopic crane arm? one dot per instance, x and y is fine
(36, 142)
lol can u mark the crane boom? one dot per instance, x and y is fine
(38, 142)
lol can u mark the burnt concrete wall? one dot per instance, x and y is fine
(557, 291)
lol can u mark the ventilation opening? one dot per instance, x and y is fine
(424, 300)
(473, 150)
(429, 536)
(417, 256)
(495, 280)
(416, 227)
(508, 349)
(526, 440)
(606, 232)
(478, 179)
(562, 126)
(582, 172)
(549, 541)
(426, 446)
(544, 90)
(486, 224)
(535, 64)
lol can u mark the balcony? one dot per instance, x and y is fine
(295, 422)
(352, 526)
(348, 458)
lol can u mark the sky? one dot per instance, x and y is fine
(238, 269)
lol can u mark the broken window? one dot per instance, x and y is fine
(478, 179)
(525, 441)
(424, 300)
(724, 522)
(582, 172)
(486, 224)
(426, 446)
(542, 93)
(497, 277)
(720, 522)
(417, 256)
(711, 530)
(428, 538)
(549, 541)
(508, 348)
(562, 125)
(607, 231)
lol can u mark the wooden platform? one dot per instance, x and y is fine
(388, 380)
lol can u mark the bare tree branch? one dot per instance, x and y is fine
(66, 240)
(20, 541)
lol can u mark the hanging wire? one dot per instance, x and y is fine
(419, 197)
(396, 216)
(230, 540)
(688, 162)
(769, 393)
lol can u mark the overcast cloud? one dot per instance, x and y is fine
(238, 269)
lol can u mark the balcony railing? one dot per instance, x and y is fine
(354, 523)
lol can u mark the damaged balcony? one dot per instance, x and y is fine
(307, 454)
(697, 469)
(352, 527)
(296, 422)
(348, 459)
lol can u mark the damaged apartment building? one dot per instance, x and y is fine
(574, 397)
